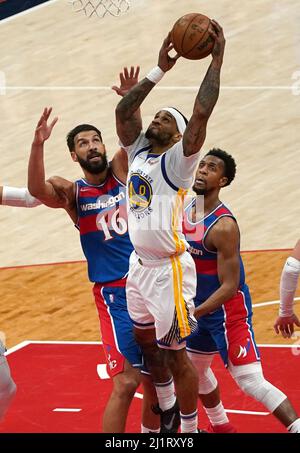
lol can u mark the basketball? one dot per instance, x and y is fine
(190, 36)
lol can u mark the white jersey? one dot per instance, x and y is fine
(156, 187)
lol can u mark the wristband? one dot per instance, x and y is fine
(155, 75)
(12, 196)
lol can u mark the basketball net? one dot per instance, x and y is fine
(101, 8)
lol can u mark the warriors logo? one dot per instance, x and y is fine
(139, 193)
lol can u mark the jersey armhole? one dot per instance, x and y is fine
(210, 227)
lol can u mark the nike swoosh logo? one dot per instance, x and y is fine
(169, 425)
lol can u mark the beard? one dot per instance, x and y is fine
(161, 138)
(94, 167)
(199, 191)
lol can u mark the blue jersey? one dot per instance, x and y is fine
(102, 222)
(206, 260)
(229, 328)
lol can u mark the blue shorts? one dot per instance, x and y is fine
(228, 331)
(116, 327)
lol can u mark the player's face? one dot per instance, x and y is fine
(209, 175)
(90, 152)
(162, 128)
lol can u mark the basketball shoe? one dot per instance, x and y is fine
(169, 419)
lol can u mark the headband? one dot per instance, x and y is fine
(178, 118)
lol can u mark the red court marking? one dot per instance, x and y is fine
(64, 375)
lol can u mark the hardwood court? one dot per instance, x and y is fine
(52, 56)
(55, 302)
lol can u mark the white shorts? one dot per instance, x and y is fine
(160, 294)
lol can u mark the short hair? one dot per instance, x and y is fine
(229, 163)
(80, 128)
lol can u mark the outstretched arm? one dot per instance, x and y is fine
(37, 185)
(195, 133)
(286, 320)
(17, 197)
(128, 79)
(128, 124)
(224, 237)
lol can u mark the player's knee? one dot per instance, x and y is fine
(125, 385)
(153, 355)
(252, 384)
(207, 380)
(255, 385)
(180, 365)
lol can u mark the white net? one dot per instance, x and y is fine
(101, 8)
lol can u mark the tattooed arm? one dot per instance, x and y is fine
(195, 133)
(128, 124)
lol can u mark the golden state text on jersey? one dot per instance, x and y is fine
(140, 193)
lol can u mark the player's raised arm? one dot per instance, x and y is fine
(128, 79)
(129, 125)
(37, 184)
(195, 133)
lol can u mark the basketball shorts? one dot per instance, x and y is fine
(116, 327)
(160, 295)
(228, 331)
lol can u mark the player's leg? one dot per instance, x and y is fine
(251, 380)
(123, 356)
(245, 367)
(150, 420)
(201, 349)
(186, 384)
(140, 282)
(7, 386)
(209, 393)
(162, 378)
(174, 322)
(125, 384)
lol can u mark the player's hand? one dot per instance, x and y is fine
(128, 79)
(216, 32)
(43, 129)
(165, 62)
(285, 325)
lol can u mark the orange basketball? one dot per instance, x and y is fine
(190, 36)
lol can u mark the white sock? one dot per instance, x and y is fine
(294, 427)
(165, 394)
(189, 422)
(217, 414)
(149, 430)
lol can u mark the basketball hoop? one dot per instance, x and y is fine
(101, 8)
